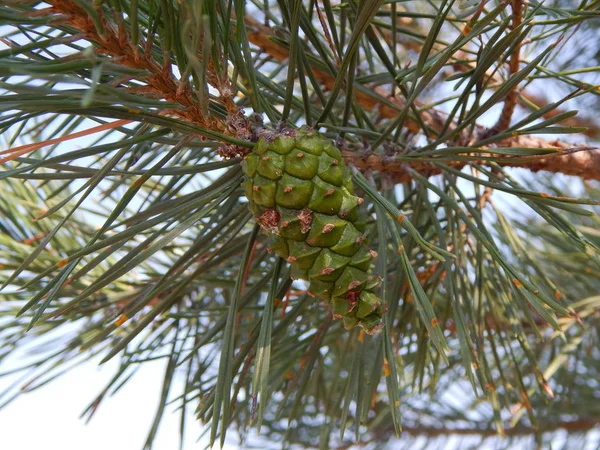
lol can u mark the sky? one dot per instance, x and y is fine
(48, 418)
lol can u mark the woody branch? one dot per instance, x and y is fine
(582, 161)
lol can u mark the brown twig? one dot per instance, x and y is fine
(117, 43)
(15, 152)
(592, 128)
(328, 38)
(583, 162)
(579, 161)
(573, 426)
(515, 59)
(525, 97)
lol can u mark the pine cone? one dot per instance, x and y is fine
(301, 194)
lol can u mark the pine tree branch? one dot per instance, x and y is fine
(173, 231)
(593, 128)
(117, 44)
(573, 426)
(526, 98)
(578, 161)
(515, 58)
(583, 162)
(376, 99)
(463, 64)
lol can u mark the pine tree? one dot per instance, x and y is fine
(133, 226)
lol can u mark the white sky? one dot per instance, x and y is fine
(48, 419)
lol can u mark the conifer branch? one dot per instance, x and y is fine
(583, 162)
(527, 98)
(570, 426)
(515, 58)
(493, 309)
(592, 128)
(579, 161)
(117, 44)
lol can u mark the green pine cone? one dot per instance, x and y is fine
(301, 193)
